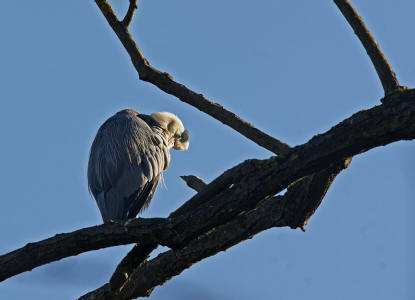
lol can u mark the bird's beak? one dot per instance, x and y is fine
(181, 146)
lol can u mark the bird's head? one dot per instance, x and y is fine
(177, 136)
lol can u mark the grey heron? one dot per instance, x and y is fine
(127, 158)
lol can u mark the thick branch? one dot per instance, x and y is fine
(68, 244)
(136, 256)
(140, 252)
(165, 82)
(381, 125)
(386, 75)
(270, 213)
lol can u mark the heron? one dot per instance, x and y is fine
(127, 158)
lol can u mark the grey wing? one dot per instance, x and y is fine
(141, 199)
(126, 160)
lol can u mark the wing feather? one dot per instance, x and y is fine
(125, 163)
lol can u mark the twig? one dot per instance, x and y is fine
(386, 75)
(130, 13)
(165, 82)
(194, 182)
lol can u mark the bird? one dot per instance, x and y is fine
(127, 158)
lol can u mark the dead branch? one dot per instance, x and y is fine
(257, 180)
(274, 212)
(194, 182)
(386, 75)
(130, 13)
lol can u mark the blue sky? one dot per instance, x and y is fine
(292, 68)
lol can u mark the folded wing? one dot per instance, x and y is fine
(126, 161)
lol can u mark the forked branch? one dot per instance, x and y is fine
(130, 13)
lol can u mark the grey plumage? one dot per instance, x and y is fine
(127, 157)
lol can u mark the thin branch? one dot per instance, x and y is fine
(386, 75)
(130, 13)
(165, 82)
(135, 257)
(381, 125)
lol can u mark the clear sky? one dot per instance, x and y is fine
(292, 68)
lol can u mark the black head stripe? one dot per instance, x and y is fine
(185, 136)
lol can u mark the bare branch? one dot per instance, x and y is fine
(102, 293)
(274, 212)
(137, 256)
(311, 188)
(386, 75)
(140, 253)
(194, 182)
(130, 13)
(68, 244)
(381, 125)
(165, 82)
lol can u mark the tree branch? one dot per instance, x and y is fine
(392, 121)
(194, 182)
(386, 75)
(68, 244)
(130, 13)
(139, 253)
(274, 212)
(165, 82)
